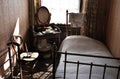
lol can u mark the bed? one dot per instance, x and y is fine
(85, 58)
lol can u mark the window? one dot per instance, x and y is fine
(58, 8)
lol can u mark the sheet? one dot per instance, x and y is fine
(89, 46)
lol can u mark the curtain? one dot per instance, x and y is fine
(91, 17)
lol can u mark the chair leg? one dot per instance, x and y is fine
(21, 75)
(35, 64)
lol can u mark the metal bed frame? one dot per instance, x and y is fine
(78, 63)
(89, 64)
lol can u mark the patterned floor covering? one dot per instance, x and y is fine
(38, 69)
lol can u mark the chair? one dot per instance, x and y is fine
(77, 23)
(22, 54)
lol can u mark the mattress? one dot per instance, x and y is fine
(87, 46)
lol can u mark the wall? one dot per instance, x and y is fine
(113, 29)
(10, 11)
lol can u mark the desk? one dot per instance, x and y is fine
(48, 37)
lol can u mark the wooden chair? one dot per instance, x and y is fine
(22, 54)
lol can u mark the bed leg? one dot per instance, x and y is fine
(104, 71)
(65, 65)
(77, 70)
(118, 72)
(90, 70)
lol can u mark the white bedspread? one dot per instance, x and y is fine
(89, 46)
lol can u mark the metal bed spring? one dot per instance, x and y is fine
(90, 64)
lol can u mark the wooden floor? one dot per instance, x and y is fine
(38, 69)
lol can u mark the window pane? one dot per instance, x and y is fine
(58, 9)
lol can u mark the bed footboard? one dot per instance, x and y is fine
(106, 68)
